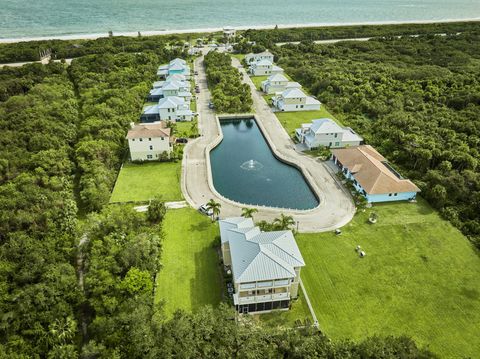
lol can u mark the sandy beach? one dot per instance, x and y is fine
(217, 29)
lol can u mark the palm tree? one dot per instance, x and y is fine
(284, 222)
(214, 207)
(248, 212)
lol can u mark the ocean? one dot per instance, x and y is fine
(48, 18)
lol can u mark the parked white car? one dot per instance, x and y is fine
(205, 210)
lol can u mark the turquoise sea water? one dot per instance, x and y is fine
(34, 18)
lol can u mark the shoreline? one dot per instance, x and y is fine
(94, 36)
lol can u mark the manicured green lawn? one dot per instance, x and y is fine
(293, 120)
(257, 80)
(238, 56)
(420, 277)
(190, 274)
(184, 129)
(299, 311)
(141, 182)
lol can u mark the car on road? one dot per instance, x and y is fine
(181, 140)
(210, 105)
(197, 90)
(196, 72)
(205, 210)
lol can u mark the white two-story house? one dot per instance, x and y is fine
(174, 108)
(149, 141)
(171, 108)
(278, 83)
(294, 99)
(265, 55)
(327, 133)
(177, 88)
(264, 68)
(265, 265)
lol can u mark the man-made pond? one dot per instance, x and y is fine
(245, 170)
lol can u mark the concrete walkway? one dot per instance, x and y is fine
(336, 207)
(169, 205)
(43, 62)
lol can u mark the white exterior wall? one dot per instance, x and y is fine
(256, 58)
(169, 93)
(328, 140)
(168, 113)
(274, 86)
(261, 70)
(140, 148)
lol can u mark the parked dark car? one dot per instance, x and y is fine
(181, 140)
(197, 90)
(210, 105)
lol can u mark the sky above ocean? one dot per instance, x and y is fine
(34, 18)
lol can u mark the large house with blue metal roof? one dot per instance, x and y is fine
(265, 265)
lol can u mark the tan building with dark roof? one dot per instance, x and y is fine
(149, 141)
(372, 175)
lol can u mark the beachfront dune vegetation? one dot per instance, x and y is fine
(66, 49)
(229, 94)
(268, 38)
(417, 100)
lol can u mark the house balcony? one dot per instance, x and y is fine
(260, 298)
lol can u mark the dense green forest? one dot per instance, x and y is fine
(229, 94)
(38, 213)
(77, 275)
(417, 100)
(111, 90)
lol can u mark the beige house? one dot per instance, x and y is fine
(148, 141)
(265, 265)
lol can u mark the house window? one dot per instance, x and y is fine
(149, 139)
(329, 144)
(301, 106)
(336, 135)
(151, 148)
(337, 144)
(395, 194)
(133, 140)
(141, 139)
(163, 138)
(149, 157)
(389, 195)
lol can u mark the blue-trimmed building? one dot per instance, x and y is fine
(372, 175)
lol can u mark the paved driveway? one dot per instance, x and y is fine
(336, 207)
